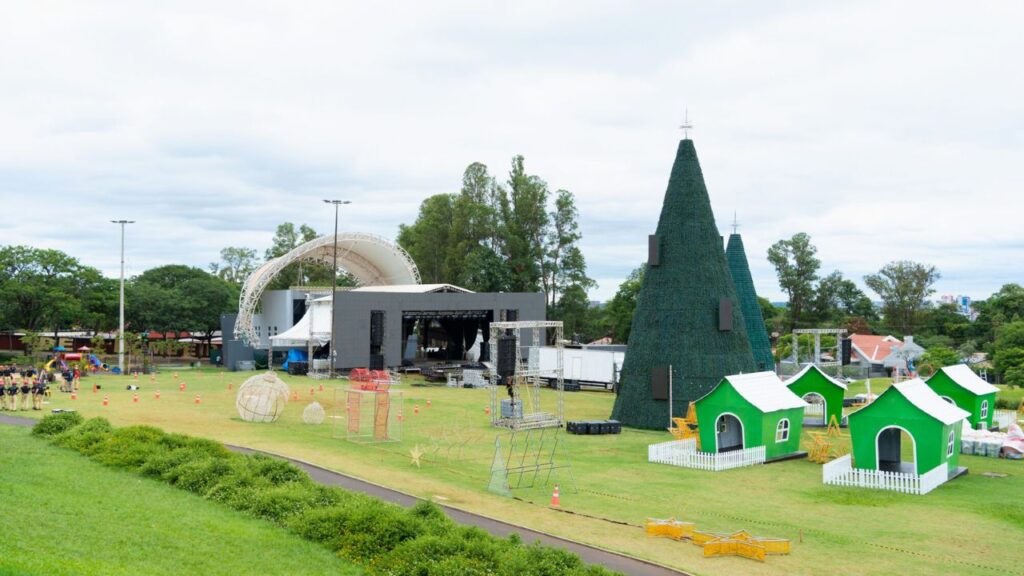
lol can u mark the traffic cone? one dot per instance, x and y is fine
(181, 387)
(152, 377)
(554, 498)
(197, 399)
(106, 401)
(487, 410)
(93, 388)
(321, 387)
(157, 394)
(428, 403)
(74, 396)
(295, 395)
(311, 391)
(229, 386)
(416, 409)
(135, 375)
(135, 398)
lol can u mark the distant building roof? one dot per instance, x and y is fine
(414, 289)
(872, 348)
(765, 391)
(919, 394)
(968, 380)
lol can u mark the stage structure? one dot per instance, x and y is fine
(515, 376)
(371, 261)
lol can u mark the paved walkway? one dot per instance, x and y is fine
(589, 554)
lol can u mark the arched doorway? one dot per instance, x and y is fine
(728, 433)
(816, 412)
(890, 450)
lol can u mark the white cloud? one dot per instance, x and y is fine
(885, 130)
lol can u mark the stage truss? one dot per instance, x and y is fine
(371, 261)
(528, 380)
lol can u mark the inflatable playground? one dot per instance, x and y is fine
(62, 357)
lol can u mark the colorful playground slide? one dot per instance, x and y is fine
(96, 362)
(49, 365)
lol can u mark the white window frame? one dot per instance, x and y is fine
(782, 430)
(949, 445)
(984, 409)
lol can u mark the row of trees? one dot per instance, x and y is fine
(511, 236)
(45, 291)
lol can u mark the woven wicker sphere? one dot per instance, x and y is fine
(261, 398)
(314, 414)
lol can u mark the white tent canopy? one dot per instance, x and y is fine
(314, 325)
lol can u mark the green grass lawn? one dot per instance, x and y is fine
(64, 514)
(970, 526)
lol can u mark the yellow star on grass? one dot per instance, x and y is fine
(416, 454)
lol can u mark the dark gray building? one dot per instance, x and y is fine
(372, 324)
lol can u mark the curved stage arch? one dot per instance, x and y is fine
(370, 259)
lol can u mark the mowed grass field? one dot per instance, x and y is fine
(64, 514)
(973, 525)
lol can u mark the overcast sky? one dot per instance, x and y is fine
(886, 130)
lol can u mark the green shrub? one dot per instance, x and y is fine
(376, 529)
(1007, 404)
(459, 551)
(54, 424)
(199, 474)
(276, 471)
(281, 502)
(129, 447)
(86, 436)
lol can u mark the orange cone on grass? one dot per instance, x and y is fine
(197, 399)
(181, 387)
(157, 394)
(135, 398)
(321, 387)
(106, 401)
(555, 503)
(74, 396)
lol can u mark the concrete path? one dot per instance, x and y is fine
(589, 554)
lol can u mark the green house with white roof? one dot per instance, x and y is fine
(748, 410)
(823, 394)
(959, 385)
(932, 424)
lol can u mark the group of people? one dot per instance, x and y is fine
(20, 386)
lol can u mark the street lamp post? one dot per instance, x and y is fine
(120, 332)
(334, 283)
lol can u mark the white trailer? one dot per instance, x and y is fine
(588, 367)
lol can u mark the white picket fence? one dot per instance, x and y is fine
(684, 453)
(1003, 418)
(814, 410)
(840, 472)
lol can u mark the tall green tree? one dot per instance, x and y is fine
(903, 287)
(619, 310)
(837, 298)
(42, 289)
(177, 297)
(524, 211)
(287, 237)
(564, 266)
(797, 268)
(236, 263)
(427, 240)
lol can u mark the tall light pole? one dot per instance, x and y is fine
(334, 283)
(120, 333)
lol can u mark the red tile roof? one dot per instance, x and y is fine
(874, 349)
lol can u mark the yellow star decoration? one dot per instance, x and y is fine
(740, 544)
(416, 453)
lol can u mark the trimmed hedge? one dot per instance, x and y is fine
(384, 538)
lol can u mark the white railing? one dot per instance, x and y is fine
(684, 453)
(840, 472)
(814, 410)
(1003, 418)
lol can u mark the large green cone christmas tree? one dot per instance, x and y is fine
(752, 317)
(676, 321)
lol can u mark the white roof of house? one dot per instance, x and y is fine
(807, 368)
(765, 391)
(968, 380)
(920, 395)
(414, 288)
